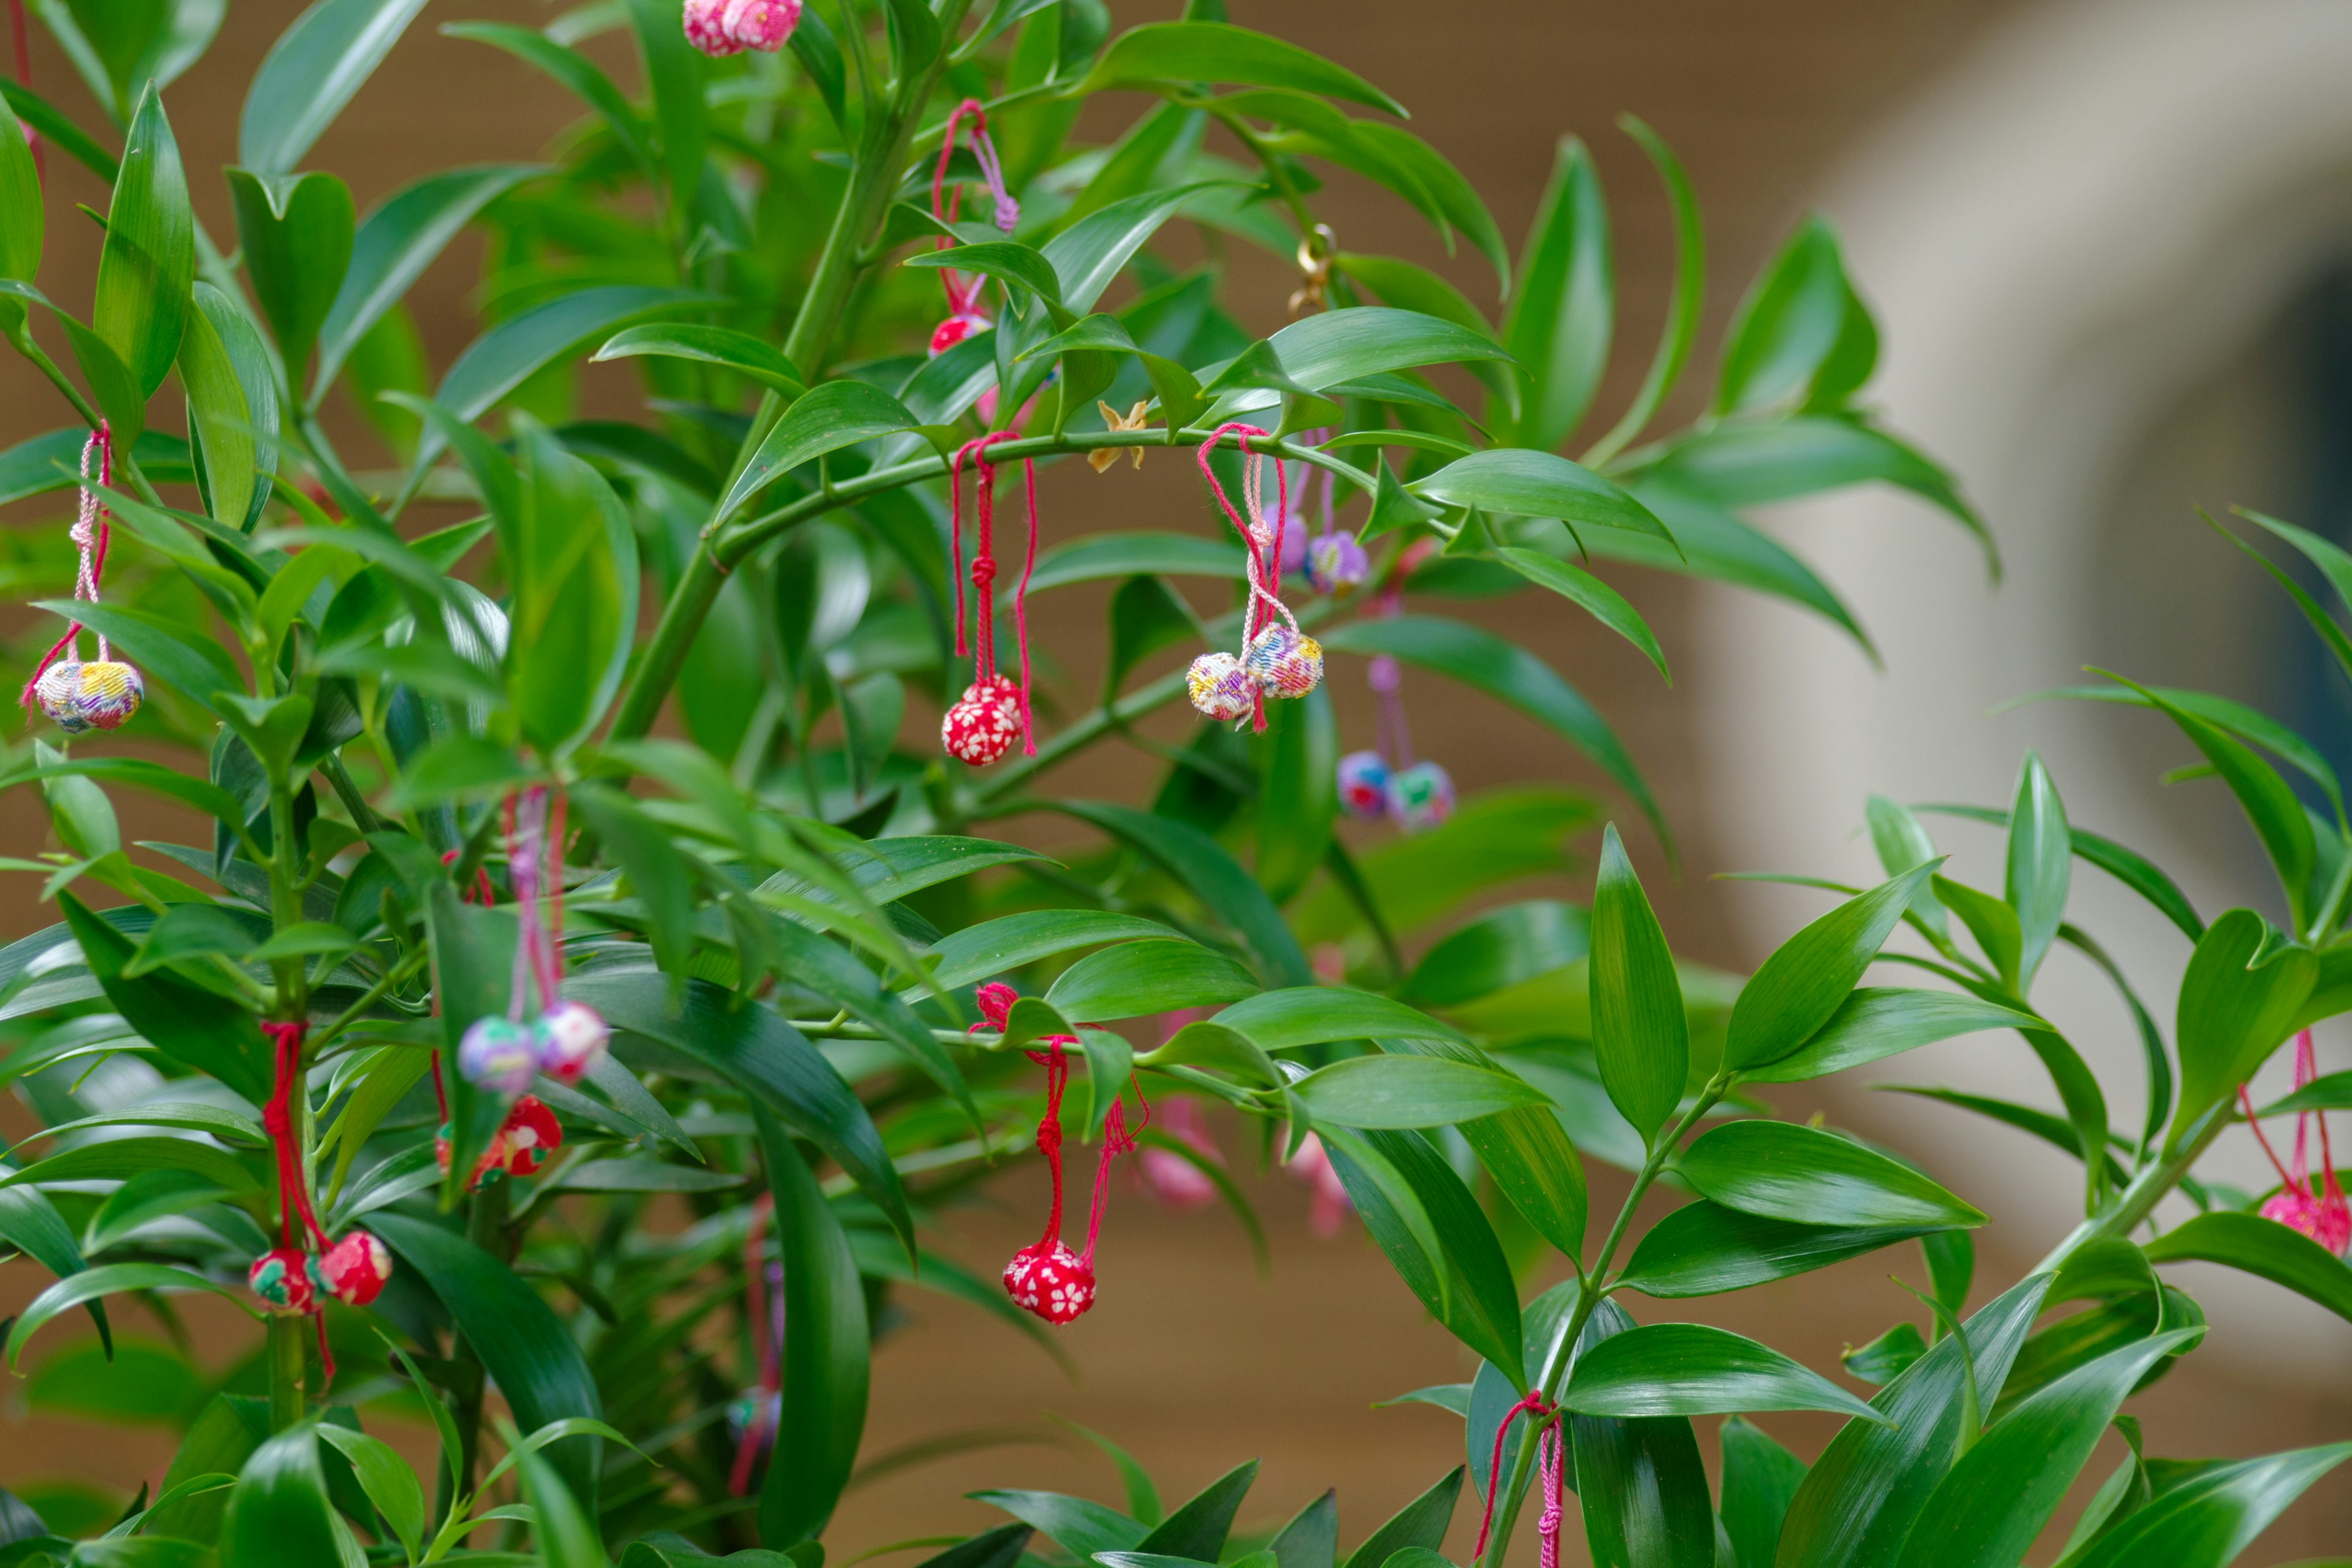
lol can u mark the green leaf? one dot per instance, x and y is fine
(1174, 54)
(1324, 351)
(1090, 253)
(1527, 1153)
(1318, 1015)
(394, 246)
(1455, 198)
(1080, 1527)
(1399, 1091)
(1860, 1499)
(1505, 946)
(1639, 1033)
(836, 415)
(1681, 329)
(1560, 318)
(279, 1513)
(1873, 1023)
(1197, 1530)
(1417, 1528)
(1807, 978)
(1125, 554)
(1787, 325)
(2329, 1091)
(659, 873)
(1706, 1250)
(710, 345)
(576, 73)
(516, 349)
(47, 463)
(2127, 865)
(1213, 876)
(232, 407)
(2027, 1459)
(1709, 542)
(21, 217)
(1797, 1173)
(311, 73)
(2264, 1248)
(106, 1280)
(1639, 1481)
(1010, 262)
(521, 1342)
(386, 1478)
(195, 1027)
(566, 1534)
(1477, 657)
(1690, 1369)
(2041, 855)
(1760, 1476)
(297, 239)
(1298, 793)
(2236, 1002)
(1136, 978)
(2208, 1519)
(1516, 483)
(148, 264)
(764, 1057)
(1589, 593)
(825, 1349)
(998, 946)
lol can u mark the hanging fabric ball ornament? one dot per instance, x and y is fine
(956, 329)
(1285, 662)
(530, 1134)
(498, 1054)
(1336, 562)
(723, 28)
(101, 695)
(354, 1269)
(1364, 785)
(755, 1412)
(1219, 686)
(1420, 796)
(569, 1039)
(983, 722)
(287, 1281)
(1049, 1280)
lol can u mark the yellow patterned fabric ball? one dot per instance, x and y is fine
(79, 697)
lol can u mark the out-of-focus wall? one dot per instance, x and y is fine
(1192, 1360)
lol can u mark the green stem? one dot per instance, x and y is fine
(290, 1341)
(2125, 1212)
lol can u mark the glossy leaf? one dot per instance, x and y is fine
(2127, 865)
(1640, 1035)
(2270, 806)
(279, 1513)
(393, 247)
(1640, 1483)
(1681, 329)
(836, 415)
(1503, 670)
(220, 420)
(1691, 1369)
(1299, 794)
(521, 1342)
(147, 266)
(1173, 53)
(2041, 852)
(21, 218)
(1790, 1172)
(1515, 482)
(311, 73)
(1808, 977)
(1134, 978)
(1417, 1527)
(2208, 1520)
(1197, 1529)
(1213, 876)
(1323, 351)
(725, 346)
(1529, 1156)
(996, 947)
(1862, 1496)
(196, 1028)
(390, 1484)
(1874, 1023)
(825, 1355)
(1760, 1476)
(659, 873)
(576, 73)
(1561, 315)
(106, 1279)
(1706, 1250)
(1089, 254)
(2027, 1459)
(1080, 1527)
(1587, 592)
(1408, 1091)
(1505, 946)
(2236, 1004)
(297, 239)
(1787, 325)
(2260, 1246)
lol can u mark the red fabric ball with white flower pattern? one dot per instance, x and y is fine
(956, 328)
(355, 1268)
(1049, 1280)
(984, 722)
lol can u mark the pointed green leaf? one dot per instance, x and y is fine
(1638, 1032)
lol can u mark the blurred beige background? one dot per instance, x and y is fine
(1192, 1360)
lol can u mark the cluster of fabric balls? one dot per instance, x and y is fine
(506, 1057)
(292, 1282)
(1049, 1280)
(1278, 662)
(723, 28)
(79, 697)
(522, 1144)
(1415, 798)
(982, 725)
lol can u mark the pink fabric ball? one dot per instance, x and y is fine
(984, 723)
(1049, 1280)
(763, 24)
(956, 329)
(355, 1268)
(287, 1281)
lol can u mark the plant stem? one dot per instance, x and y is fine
(2138, 1200)
(288, 1342)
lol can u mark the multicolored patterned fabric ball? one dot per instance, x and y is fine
(286, 1280)
(570, 1038)
(1219, 687)
(1049, 1280)
(79, 697)
(1285, 662)
(1420, 796)
(1336, 562)
(984, 721)
(355, 1268)
(956, 328)
(498, 1054)
(1364, 785)
(723, 28)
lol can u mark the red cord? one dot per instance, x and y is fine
(755, 1311)
(293, 1193)
(102, 439)
(1533, 1405)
